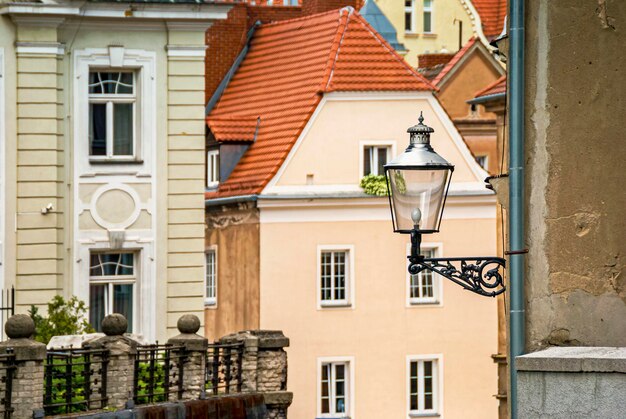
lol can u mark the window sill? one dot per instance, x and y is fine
(424, 415)
(411, 35)
(424, 303)
(335, 304)
(212, 187)
(115, 161)
(429, 35)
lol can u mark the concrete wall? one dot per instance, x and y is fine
(574, 145)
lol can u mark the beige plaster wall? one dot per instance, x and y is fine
(379, 331)
(368, 120)
(575, 111)
(445, 30)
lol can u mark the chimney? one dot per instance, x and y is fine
(431, 60)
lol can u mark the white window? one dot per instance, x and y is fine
(112, 115)
(112, 279)
(424, 385)
(428, 16)
(425, 287)
(210, 295)
(409, 16)
(334, 395)
(483, 160)
(374, 159)
(335, 275)
(212, 168)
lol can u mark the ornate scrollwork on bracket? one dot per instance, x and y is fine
(480, 275)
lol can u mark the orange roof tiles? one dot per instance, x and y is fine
(288, 67)
(498, 86)
(234, 129)
(454, 61)
(492, 13)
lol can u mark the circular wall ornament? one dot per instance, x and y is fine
(115, 206)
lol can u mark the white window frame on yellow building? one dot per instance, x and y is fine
(437, 385)
(210, 302)
(432, 20)
(350, 401)
(437, 299)
(373, 143)
(412, 10)
(349, 301)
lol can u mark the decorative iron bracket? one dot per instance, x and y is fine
(480, 275)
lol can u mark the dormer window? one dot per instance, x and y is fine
(212, 168)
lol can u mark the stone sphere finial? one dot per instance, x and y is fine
(188, 323)
(114, 325)
(19, 326)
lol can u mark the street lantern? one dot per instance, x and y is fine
(417, 185)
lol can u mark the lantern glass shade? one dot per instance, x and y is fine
(417, 197)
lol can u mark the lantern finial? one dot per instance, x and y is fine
(421, 118)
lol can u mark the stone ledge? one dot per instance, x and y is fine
(574, 359)
(278, 398)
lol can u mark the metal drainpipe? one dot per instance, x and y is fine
(516, 194)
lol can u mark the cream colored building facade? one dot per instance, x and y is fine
(371, 339)
(102, 146)
(432, 26)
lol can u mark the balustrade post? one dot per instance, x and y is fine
(121, 365)
(264, 368)
(27, 386)
(193, 358)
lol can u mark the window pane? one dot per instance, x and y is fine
(125, 85)
(326, 275)
(97, 305)
(428, 385)
(340, 405)
(367, 161)
(123, 302)
(210, 274)
(123, 129)
(97, 129)
(94, 83)
(126, 264)
(325, 388)
(427, 23)
(408, 24)
(340, 275)
(382, 160)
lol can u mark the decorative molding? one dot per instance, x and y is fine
(187, 26)
(221, 221)
(37, 21)
(47, 48)
(186, 50)
(138, 206)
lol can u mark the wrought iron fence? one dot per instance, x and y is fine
(158, 373)
(75, 380)
(7, 372)
(7, 308)
(223, 368)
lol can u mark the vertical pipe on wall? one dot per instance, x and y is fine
(516, 194)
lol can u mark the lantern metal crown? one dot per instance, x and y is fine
(417, 184)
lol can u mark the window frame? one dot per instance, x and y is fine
(430, 10)
(211, 169)
(374, 143)
(412, 11)
(438, 384)
(110, 100)
(437, 298)
(112, 280)
(348, 302)
(485, 165)
(349, 363)
(210, 302)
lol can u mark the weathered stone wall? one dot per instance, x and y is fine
(574, 145)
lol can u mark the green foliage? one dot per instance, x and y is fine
(64, 318)
(374, 185)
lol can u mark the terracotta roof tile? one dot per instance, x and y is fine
(289, 65)
(492, 13)
(457, 57)
(498, 86)
(234, 129)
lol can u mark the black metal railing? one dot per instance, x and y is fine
(7, 372)
(223, 368)
(75, 380)
(7, 308)
(158, 373)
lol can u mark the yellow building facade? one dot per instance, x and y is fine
(102, 138)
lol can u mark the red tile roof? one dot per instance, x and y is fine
(492, 13)
(457, 57)
(227, 129)
(498, 86)
(289, 65)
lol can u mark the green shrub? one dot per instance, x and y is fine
(374, 185)
(64, 318)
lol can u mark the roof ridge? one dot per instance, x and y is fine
(342, 27)
(459, 54)
(393, 52)
(305, 17)
(490, 86)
